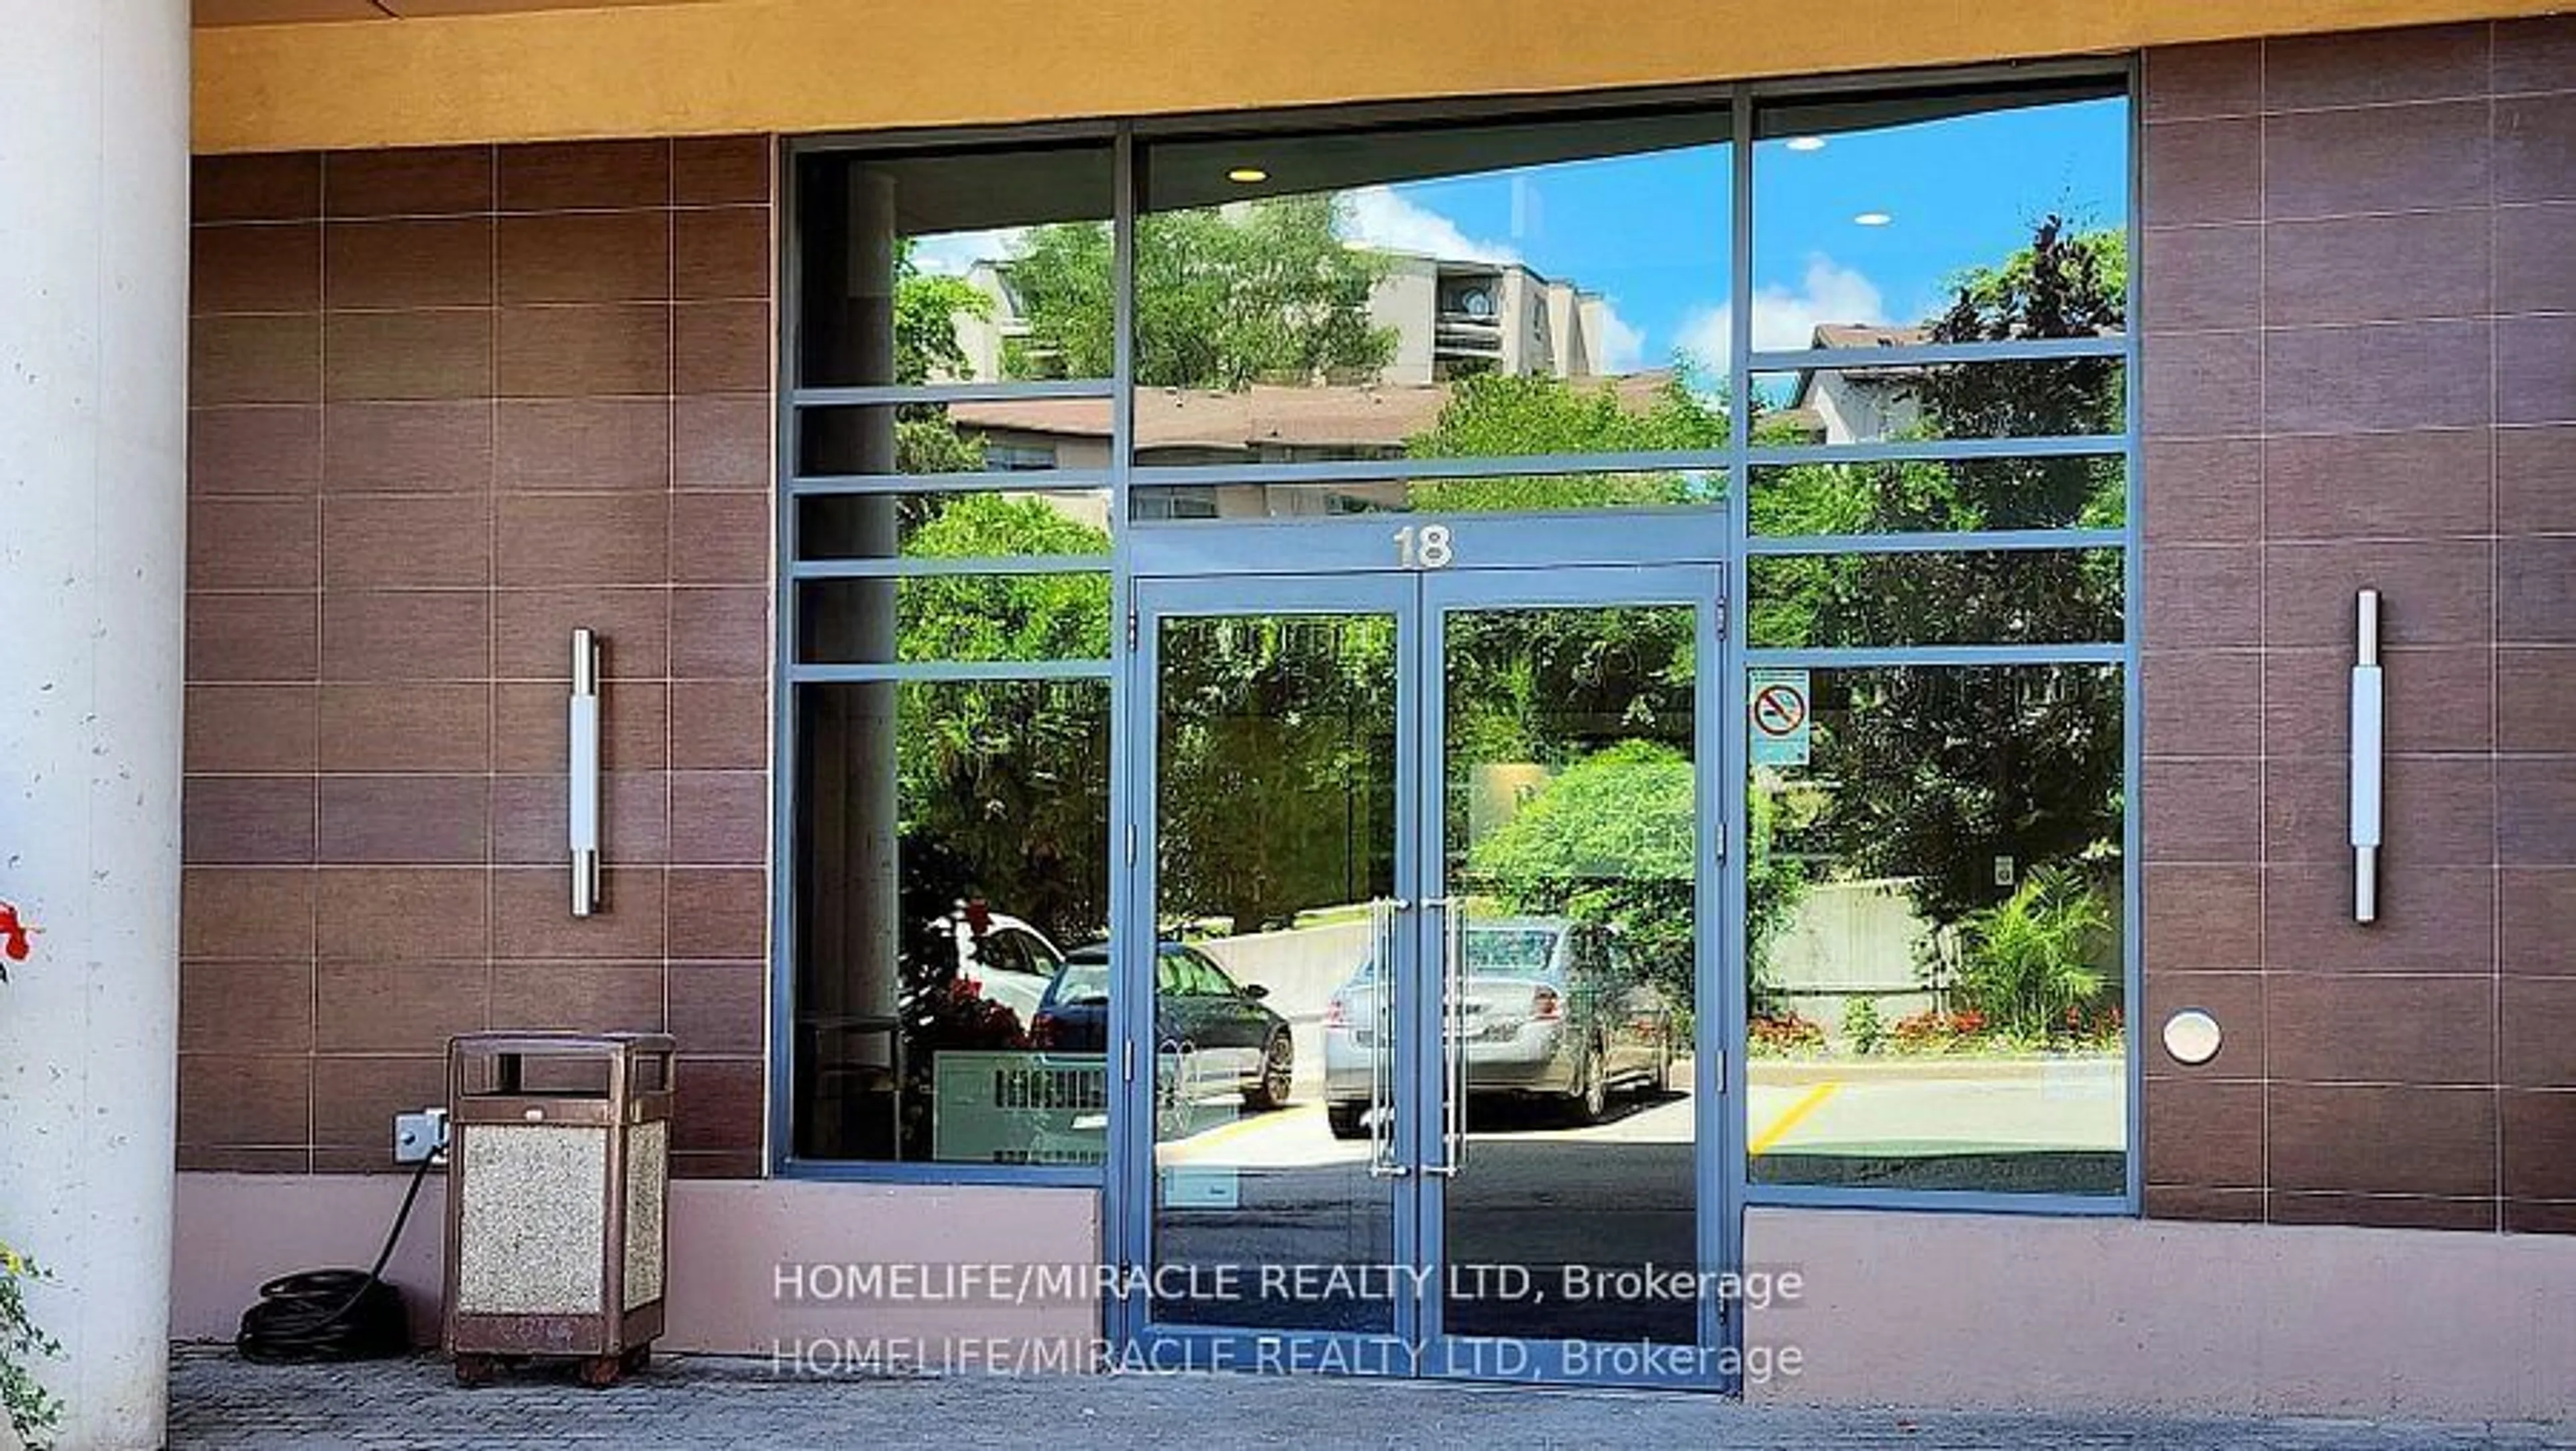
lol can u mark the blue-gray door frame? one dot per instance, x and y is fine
(1498, 562)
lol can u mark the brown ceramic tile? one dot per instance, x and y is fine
(721, 347)
(2536, 590)
(721, 441)
(409, 263)
(720, 634)
(2535, 269)
(2536, 810)
(2535, 148)
(2382, 1140)
(355, 1099)
(2203, 702)
(2201, 918)
(2342, 1027)
(2536, 904)
(413, 182)
(2378, 159)
(616, 445)
(2203, 491)
(531, 922)
(256, 267)
(720, 538)
(2539, 1145)
(2204, 1133)
(2538, 1018)
(2441, 811)
(2538, 1216)
(586, 257)
(582, 175)
(2432, 592)
(719, 1007)
(406, 635)
(711, 170)
(246, 913)
(2534, 690)
(732, 1164)
(406, 820)
(402, 914)
(246, 1007)
(407, 727)
(2432, 921)
(2360, 68)
(242, 1099)
(2420, 484)
(585, 350)
(2200, 278)
(223, 1159)
(2438, 699)
(435, 447)
(239, 637)
(2202, 597)
(247, 820)
(2375, 269)
(719, 725)
(528, 819)
(634, 725)
(720, 818)
(407, 541)
(253, 544)
(2407, 375)
(251, 728)
(267, 186)
(255, 359)
(720, 913)
(2538, 54)
(2383, 1211)
(605, 539)
(2210, 1206)
(398, 1007)
(583, 997)
(2205, 384)
(2186, 82)
(2202, 811)
(533, 631)
(257, 450)
(720, 1105)
(2202, 171)
(392, 355)
(2234, 999)
(2535, 369)
(720, 253)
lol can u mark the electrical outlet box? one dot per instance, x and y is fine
(421, 1134)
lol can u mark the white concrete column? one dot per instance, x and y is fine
(93, 523)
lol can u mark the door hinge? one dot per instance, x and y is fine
(1720, 1056)
(1721, 618)
(1131, 843)
(1721, 841)
(1131, 629)
(1127, 1061)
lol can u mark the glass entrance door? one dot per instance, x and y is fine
(1427, 861)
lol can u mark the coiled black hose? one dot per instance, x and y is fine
(325, 1315)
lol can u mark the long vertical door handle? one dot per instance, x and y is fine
(1381, 1110)
(1453, 1040)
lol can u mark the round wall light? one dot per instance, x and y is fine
(1806, 143)
(1247, 176)
(2192, 1037)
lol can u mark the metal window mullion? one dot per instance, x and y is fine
(1030, 481)
(908, 567)
(1364, 471)
(1933, 450)
(2114, 346)
(1983, 541)
(934, 670)
(1872, 657)
(1001, 390)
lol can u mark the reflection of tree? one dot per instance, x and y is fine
(1498, 415)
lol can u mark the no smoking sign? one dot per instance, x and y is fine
(1777, 703)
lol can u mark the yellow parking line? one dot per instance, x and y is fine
(1237, 1127)
(1791, 1117)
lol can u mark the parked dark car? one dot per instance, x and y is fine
(1228, 1038)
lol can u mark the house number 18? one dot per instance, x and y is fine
(1429, 547)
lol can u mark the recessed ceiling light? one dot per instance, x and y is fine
(1806, 143)
(1873, 219)
(1247, 176)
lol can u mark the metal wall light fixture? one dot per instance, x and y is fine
(581, 803)
(2366, 711)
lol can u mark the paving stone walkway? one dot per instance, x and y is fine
(219, 1401)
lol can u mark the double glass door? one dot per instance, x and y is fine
(1424, 1070)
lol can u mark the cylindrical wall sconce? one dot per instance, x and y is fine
(581, 806)
(2367, 702)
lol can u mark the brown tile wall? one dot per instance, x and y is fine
(2360, 369)
(449, 405)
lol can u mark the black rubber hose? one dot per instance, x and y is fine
(326, 1315)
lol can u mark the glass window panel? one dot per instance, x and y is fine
(1458, 291)
(2022, 398)
(1948, 216)
(1003, 435)
(1934, 934)
(1989, 597)
(1943, 496)
(955, 617)
(910, 266)
(977, 524)
(952, 868)
(1253, 499)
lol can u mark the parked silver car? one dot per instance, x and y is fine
(1550, 1009)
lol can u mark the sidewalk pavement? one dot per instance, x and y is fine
(217, 1400)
